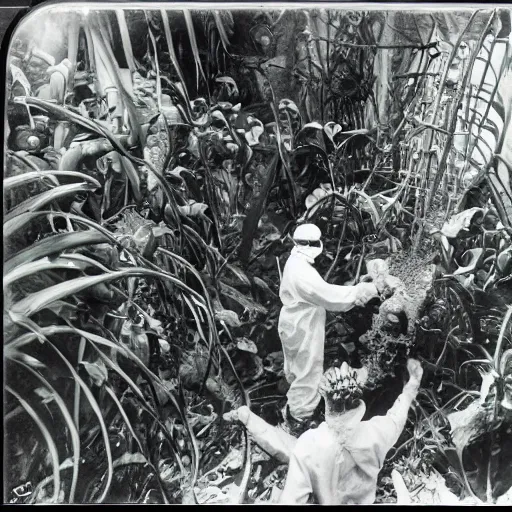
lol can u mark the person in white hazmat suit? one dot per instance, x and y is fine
(306, 297)
(337, 463)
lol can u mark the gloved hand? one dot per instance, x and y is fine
(415, 371)
(241, 414)
(386, 285)
(365, 293)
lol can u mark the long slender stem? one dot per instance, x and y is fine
(335, 42)
(436, 112)
(338, 249)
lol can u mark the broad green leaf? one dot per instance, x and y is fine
(242, 299)
(14, 354)
(229, 317)
(40, 200)
(165, 347)
(23, 179)
(252, 136)
(461, 222)
(34, 302)
(54, 244)
(239, 274)
(41, 265)
(371, 205)
(260, 283)
(247, 345)
(29, 337)
(192, 209)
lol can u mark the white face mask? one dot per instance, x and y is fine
(309, 251)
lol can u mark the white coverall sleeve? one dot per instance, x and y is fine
(298, 486)
(331, 297)
(388, 428)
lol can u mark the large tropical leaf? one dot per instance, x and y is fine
(37, 202)
(23, 179)
(42, 264)
(53, 245)
(37, 301)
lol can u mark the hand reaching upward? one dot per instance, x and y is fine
(415, 371)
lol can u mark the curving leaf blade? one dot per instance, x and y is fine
(37, 202)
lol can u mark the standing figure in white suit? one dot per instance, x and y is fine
(306, 297)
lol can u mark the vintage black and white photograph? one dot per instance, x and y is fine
(258, 254)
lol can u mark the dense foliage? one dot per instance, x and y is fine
(142, 259)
